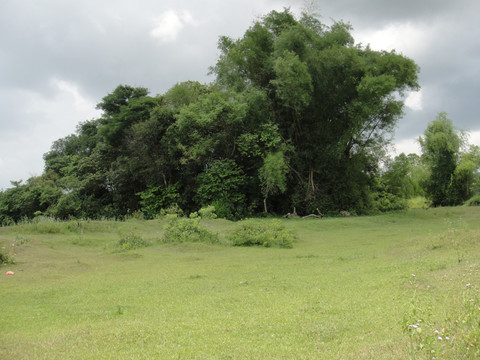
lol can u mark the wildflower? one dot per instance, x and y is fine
(414, 326)
(413, 275)
(440, 338)
(468, 285)
(447, 338)
(437, 332)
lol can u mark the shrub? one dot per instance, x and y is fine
(267, 234)
(384, 201)
(179, 230)
(207, 212)
(173, 209)
(6, 258)
(131, 241)
(474, 201)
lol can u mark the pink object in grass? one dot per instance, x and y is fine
(10, 273)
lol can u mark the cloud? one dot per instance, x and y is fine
(414, 100)
(34, 121)
(170, 24)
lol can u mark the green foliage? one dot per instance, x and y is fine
(453, 174)
(273, 175)
(180, 230)
(404, 175)
(156, 198)
(131, 241)
(440, 147)
(208, 212)
(222, 184)
(419, 202)
(473, 201)
(268, 234)
(5, 258)
(385, 201)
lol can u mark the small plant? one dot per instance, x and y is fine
(179, 230)
(6, 258)
(207, 212)
(267, 234)
(171, 210)
(131, 241)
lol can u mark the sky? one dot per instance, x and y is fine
(58, 58)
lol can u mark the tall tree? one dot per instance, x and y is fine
(441, 144)
(335, 102)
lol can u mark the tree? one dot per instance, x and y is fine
(333, 101)
(222, 184)
(273, 175)
(441, 144)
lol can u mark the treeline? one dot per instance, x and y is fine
(298, 117)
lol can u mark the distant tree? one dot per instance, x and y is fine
(449, 180)
(404, 175)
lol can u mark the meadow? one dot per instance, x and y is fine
(395, 286)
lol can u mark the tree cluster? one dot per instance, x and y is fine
(297, 117)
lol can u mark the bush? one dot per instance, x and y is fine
(474, 201)
(207, 212)
(174, 209)
(131, 241)
(179, 230)
(384, 201)
(418, 202)
(267, 234)
(6, 258)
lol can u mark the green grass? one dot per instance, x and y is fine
(344, 291)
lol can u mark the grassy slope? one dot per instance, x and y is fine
(342, 292)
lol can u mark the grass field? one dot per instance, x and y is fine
(350, 288)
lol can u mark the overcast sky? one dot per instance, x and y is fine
(58, 58)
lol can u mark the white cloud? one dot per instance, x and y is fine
(406, 38)
(414, 100)
(81, 103)
(406, 146)
(170, 24)
(474, 138)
